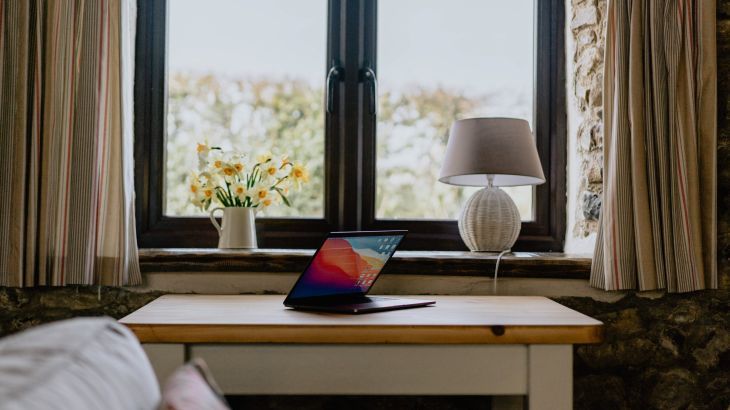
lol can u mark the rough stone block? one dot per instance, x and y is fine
(675, 389)
(596, 135)
(591, 206)
(588, 59)
(585, 38)
(708, 357)
(583, 16)
(595, 170)
(584, 137)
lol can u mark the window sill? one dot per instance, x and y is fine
(515, 265)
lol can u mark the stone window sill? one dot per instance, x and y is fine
(515, 265)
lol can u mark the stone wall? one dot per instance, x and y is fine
(670, 352)
(667, 353)
(587, 25)
(24, 308)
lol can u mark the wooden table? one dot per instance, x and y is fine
(464, 345)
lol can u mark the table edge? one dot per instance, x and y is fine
(367, 334)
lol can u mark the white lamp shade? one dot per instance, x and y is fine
(502, 148)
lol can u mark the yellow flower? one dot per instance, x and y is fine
(197, 202)
(266, 156)
(229, 171)
(194, 182)
(239, 167)
(266, 202)
(203, 151)
(262, 193)
(285, 160)
(239, 190)
(270, 169)
(208, 192)
(218, 163)
(299, 174)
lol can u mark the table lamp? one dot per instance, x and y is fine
(491, 152)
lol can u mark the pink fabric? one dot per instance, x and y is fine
(192, 388)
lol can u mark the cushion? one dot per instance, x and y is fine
(192, 387)
(84, 363)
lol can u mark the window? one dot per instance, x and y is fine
(240, 82)
(479, 63)
(252, 75)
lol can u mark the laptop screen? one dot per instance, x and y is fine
(346, 265)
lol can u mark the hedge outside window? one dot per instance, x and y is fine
(251, 77)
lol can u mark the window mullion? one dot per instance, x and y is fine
(350, 150)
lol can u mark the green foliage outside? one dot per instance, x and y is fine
(284, 117)
(287, 117)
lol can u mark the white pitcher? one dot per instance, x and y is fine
(239, 227)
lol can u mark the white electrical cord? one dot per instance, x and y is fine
(496, 269)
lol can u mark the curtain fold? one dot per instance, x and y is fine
(66, 156)
(657, 228)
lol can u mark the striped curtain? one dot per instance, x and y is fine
(66, 165)
(658, 220)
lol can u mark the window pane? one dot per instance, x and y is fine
(246, 75)
(439, 61)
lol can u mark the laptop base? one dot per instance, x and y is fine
(365, 304)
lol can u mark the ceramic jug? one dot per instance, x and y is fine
(237, 229)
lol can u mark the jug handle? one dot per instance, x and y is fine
(212, 219)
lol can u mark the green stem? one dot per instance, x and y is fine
(230, 196)
(279, 181)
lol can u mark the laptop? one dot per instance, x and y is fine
(342, 272)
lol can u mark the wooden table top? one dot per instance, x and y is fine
(454, 319)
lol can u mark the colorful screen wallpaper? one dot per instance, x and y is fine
(346, 266)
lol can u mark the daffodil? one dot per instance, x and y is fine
(203, 149)
(205, 177)
(270, 169)
(224, 179)
(266, 202)
(299, 174)
(260, 194)
(197, 202)
(208, 192)
(229, 171)
(239, 190)
(263, 158)
(194, 181)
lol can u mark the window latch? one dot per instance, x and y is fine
(367, 75)
(336, 73)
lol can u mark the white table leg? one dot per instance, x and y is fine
(165, 358)
(550, 380)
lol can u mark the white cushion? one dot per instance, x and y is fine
(84, 363)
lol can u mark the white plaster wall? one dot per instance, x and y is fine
(219, 283)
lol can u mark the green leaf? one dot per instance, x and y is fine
(283, 197)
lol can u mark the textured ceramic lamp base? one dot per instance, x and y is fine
(489, 221)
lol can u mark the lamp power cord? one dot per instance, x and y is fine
(496, 269)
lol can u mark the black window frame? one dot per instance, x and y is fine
(349, 189)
